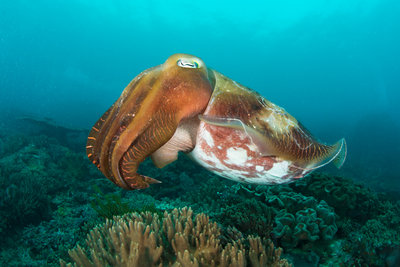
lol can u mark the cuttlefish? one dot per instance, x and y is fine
(231, 130)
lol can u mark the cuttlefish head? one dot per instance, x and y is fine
(146, 116)
(185, 79)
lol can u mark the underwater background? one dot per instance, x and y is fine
(333, 65)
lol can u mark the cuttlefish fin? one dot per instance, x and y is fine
(334, 153)
(339, 153)
(263, 144)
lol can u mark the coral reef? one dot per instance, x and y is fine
(373, 241)
(42, 198)
(52, 239)
(177, 240)
(291, 218)
(368, 223)
(21, 187)
(109, 205)
(51, 196)
(346, 197)
(37, 169)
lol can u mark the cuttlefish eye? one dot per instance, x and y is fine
(187, 63)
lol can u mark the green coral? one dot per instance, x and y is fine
(368, 224)
(24, 195)
(298, 218)
(307, 224)
(371, 243)
(112, 204)
(255, 217)
(109, 205)
(344, 195)
(45, 189)
(51, 239)
(33, 184)
(293, 219)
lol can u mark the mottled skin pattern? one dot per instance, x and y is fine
(229, 129)
(243, 136)
(212, 152)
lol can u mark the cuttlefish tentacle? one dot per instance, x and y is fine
(146, 116)
(146, 143)
(105, 134)
(96, 137)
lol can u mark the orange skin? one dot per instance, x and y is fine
(161, 111)
(146, 116)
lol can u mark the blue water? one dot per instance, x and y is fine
(334, 65)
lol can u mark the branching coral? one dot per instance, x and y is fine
(263, 253)
(178, 239)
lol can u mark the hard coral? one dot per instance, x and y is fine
(178, 239)
(297, 218)
(348, 198)
(31, 170)
(306, 224)
(23, 198)
(248, 216)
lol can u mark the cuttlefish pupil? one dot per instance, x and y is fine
(232, 131)
(187, 63)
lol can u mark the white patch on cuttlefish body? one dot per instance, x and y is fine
(234, 163)
(208, 138)
(280, 169)
(259, 168)
(236, 156)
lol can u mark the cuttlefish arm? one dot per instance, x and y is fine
(145, 118)
(271, 129)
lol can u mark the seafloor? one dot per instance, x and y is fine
(52, 197)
